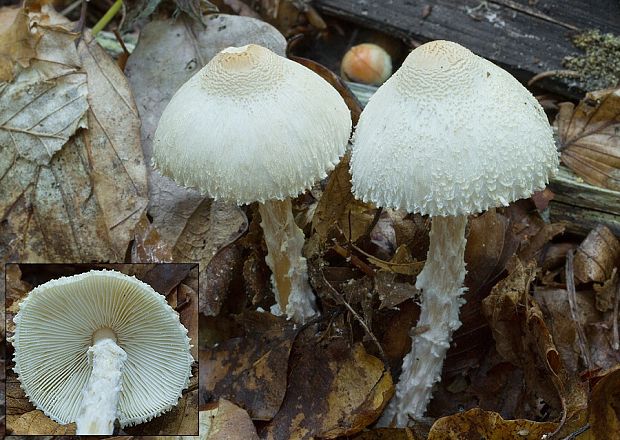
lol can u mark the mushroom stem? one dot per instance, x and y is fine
(289, 270)
(101, 393)
(441, 282)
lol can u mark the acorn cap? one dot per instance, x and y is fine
(251, 126)
(54, 329)
(450, 133)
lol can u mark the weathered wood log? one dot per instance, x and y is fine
(524, 37)
(584, 206)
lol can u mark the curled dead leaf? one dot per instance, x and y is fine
(523, 338)
(333, 390)
(401, 263)
(17, 42)
(604, 407)
(597, 256)
(36, 423)
(148, 246)
(477, 423)
(250, 370)
(224, 420)
(589, 139)
(86, 186)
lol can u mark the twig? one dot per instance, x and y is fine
(79, 26)
(359, 319)
(573, 435)
(318, 319)
(107, 17)
(572, 301)
(123, 16)
(550, 73)
(615, 337)
(355, 260)
(71, 7)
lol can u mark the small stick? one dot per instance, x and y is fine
(79, 27)
(572, 302)
(550, 73)
(355, 260)
(359, 319)
(574, 435)
(107, 17)
(71, 7)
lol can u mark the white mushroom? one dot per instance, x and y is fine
(254, 126)
(449, 134)
(100, 346)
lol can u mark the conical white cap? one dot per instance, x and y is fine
(54, 329)
(252, 126)
(450, 133)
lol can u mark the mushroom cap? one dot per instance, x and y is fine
(251, 126)
(450, 133)
(54, 329)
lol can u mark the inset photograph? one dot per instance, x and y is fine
(102, 349)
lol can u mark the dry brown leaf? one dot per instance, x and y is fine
(226, 421)
(148, 246)
(290, 16)
(338, 208)
(221, 273)
(555, 305)
(389, 434)
(250, 370)
(522, 338)
(16, 290)
(334, 200)
(333, 390)
(589, 139)
(507, 308)
(604, 407)
(17, 404)
(17, 42)
(606, 293)
(597, 256)
(490, 243)
(43, 107)
(477, 424)
(89, 190)
(392, 292)
(212, 226)
(401, 263)
(36, 423)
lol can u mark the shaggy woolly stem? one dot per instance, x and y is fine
(289, 270)
(441, 282)
(100, 396)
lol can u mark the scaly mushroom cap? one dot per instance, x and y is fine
(450, 133)
(54, 329)
(251, 126)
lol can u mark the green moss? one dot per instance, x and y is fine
(599, 66)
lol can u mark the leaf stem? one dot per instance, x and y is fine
(107, 17)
